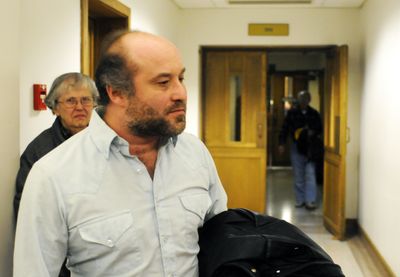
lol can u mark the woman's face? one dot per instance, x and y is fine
(74, 107)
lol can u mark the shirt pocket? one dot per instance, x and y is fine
(107, 231)
(195, 208)
(104, 241)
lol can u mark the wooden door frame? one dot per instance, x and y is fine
(101, 8)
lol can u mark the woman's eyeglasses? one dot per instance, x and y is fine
(72, 102)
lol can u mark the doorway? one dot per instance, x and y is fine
(98, 18)
(290, 72)
(320, 69)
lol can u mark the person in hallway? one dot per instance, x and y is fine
(71, 98)
(126, 196)
(303, 124)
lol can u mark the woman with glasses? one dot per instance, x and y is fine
(71, 98)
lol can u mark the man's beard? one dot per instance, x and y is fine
(147, 122)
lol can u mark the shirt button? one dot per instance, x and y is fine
(139, 171)
(110, 242)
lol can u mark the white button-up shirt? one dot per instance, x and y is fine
(93, 202)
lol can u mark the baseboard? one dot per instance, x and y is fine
(365, 251)
(366, 241)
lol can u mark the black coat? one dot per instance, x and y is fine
(241, 243)
(296, 119)
(310, 142)
(40, 146)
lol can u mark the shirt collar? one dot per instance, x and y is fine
(167, 140)
(102, 135)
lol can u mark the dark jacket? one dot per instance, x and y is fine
(241, 243)
(40, 146)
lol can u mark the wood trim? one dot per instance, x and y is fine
(85, 61)
(269, 48)
(221, 152)
(332, 158)
(343, 70)
(201, 97)
(233, 144)
(117, 7)
(370, 247)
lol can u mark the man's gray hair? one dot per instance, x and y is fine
(66, 82)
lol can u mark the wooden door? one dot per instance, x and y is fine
(335, 125)
(234, 123)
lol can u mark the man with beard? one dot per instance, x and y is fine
(125, 196)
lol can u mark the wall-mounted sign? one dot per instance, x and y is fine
(268, 29)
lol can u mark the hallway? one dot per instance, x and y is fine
(351, 254)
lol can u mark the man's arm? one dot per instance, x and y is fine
(41, 236)
(217, 193)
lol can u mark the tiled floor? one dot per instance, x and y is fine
(280, 204)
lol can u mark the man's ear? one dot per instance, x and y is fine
(116, 96)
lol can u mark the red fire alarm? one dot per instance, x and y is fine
(39, 94)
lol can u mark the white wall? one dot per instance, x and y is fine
(380, 129)
(50, 46)
(155, 16)
(9, 153)
(306, 27)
